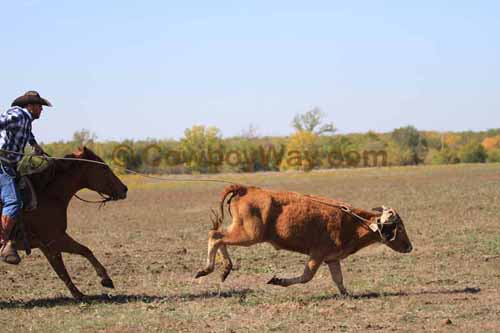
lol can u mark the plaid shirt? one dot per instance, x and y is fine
(15, 132)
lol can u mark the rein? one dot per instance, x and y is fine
(101, 203)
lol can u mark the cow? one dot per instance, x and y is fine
(326, 230)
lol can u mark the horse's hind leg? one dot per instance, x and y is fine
(69, 245)
(55, 259)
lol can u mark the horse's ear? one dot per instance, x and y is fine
(79, 151)
(378, 209)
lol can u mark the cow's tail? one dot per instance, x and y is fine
(232, 190)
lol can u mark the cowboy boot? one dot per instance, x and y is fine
(8, 251)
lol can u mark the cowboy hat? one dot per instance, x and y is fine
(30, 97)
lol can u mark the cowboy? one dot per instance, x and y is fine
(15, 132)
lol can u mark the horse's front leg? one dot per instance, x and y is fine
(69, 245)
(55, 259)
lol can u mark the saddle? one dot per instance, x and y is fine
(28, 194)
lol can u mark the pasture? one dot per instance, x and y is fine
(155, 241)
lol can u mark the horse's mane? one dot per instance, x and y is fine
(56, 168)
(53, 170)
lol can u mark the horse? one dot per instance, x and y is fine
(55, 187)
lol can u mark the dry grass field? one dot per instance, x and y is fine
(154, 242)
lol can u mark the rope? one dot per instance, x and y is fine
(47, 157)
(344, 208)
(365, 222)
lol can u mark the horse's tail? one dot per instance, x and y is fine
(233, 190)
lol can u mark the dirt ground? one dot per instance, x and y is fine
(153, 243)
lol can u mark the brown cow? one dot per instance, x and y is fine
(324, 229)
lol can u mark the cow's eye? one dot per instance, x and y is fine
(388, 230)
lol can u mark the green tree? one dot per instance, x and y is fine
(127, 155)
(472, 152)
(494, 155)
(445, 156)
(84, 137)
(311, 121)
(301, 152)
(202, 149)
(412, 146)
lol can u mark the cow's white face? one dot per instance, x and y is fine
(388, 215)
(392, 230)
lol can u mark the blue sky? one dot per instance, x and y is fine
(150, 69)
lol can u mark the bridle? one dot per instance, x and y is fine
(378, 226)
(102, 203)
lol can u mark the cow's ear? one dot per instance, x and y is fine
(378, 209)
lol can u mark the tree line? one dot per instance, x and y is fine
(314, 144)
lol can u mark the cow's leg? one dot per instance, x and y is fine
(55, 259)
(336, 272)
(214, 242)
(69, 245)
(236, 236)
(228, 264)
(310, 269)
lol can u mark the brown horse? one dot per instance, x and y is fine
(46, 225)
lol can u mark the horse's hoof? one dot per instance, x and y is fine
(108, 283)
(78, 295)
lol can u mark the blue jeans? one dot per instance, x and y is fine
(9, 193)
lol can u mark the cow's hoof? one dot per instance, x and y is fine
(275, 281)
(108, 283)
(200, 274)
(224, 275)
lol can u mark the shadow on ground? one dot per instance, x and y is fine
(119, 299)
(369, 295)
(240, 293)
